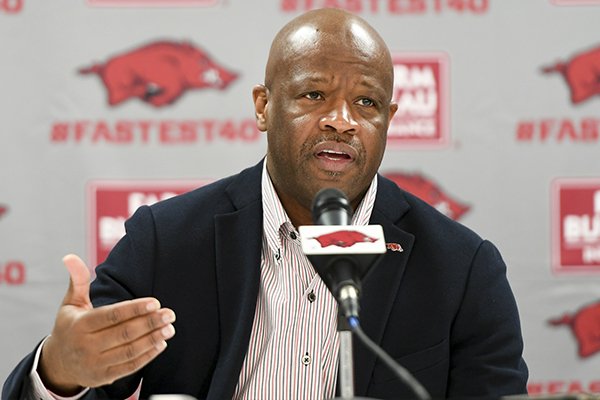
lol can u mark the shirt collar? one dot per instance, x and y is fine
(274, 215)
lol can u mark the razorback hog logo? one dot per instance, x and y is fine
(429, 191)
(582, 74)
(585, 325)
(343, 239)
(3, 210)
(159, 73)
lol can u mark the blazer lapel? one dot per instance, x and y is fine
(238, 240)
(381, 283)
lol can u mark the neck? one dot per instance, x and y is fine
(298, 215)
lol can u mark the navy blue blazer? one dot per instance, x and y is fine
(442, 308)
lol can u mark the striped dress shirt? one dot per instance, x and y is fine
(294, 344)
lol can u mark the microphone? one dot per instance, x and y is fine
(341, 253)
(331, 207)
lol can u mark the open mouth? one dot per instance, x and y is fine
(334, 155)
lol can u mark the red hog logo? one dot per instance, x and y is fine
(582, 74)
(585, 325)
(394, 247)
(343, 239)
(159, 73)
(429, 191)
(3, 210)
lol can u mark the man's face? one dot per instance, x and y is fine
(327, 112)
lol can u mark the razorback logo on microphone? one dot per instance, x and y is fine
(159, 73)
(152, 3)
(421, 92)
(346, 239)
(429, 191)
(585, 326)
(576, 225)
(110, 203)
(11, 6)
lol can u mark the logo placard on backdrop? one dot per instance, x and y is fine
(429, 191)
(575, 2)
(159, 73)
(110, 203)
(576, 225)
(422, 94)
(580, 73)
(392, 7)
(152, 3)
(585, 326)
(12, 272)
(11, 6)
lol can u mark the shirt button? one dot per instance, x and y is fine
(311, 296)
(306, 359)
(293, 235)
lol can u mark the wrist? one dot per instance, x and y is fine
(52, 375)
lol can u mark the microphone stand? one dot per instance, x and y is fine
(346, 359)
(346, 368)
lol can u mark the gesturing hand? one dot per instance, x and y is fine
(90, 347)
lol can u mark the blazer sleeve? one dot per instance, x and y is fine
(18, 384)
(126, 274)
(487, 346)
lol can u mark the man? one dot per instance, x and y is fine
(254, 320)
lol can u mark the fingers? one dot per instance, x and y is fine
(112, 315)
(78, 293)
(130, 331)
(125, 348)
(134, 352)
(135, 364)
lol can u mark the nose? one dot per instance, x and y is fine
(339, 119)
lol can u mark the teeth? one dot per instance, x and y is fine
(333, 152)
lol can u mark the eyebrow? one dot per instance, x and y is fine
(300, 79)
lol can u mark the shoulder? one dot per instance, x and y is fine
(423, 220)
(200, 205)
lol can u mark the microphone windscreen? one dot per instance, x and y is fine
(331, 207)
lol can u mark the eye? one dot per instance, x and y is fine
(366, 102)
(313, 96)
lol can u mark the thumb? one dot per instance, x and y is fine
(78, 293)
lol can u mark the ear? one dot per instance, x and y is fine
(393, 109)
(260, 94)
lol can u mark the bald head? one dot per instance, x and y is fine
(328, 31)
(326, 106)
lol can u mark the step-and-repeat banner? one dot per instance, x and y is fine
(110, 104)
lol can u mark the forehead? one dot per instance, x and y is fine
(332, 71)
(334, 68)
(329, 46)
(305, 38)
